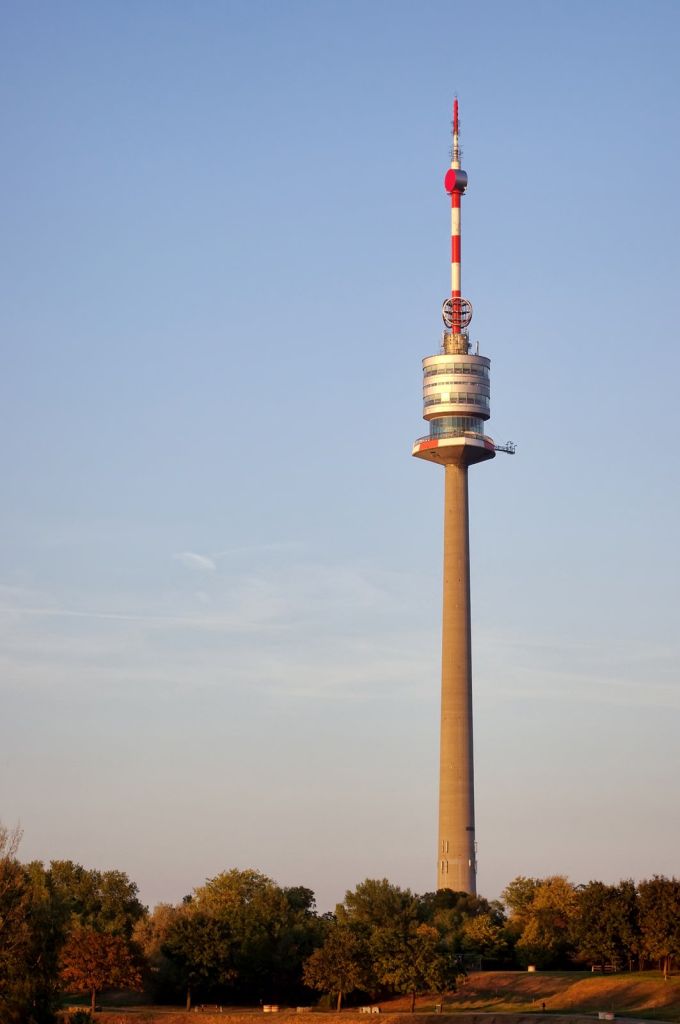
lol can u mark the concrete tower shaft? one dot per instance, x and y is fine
(457, 857)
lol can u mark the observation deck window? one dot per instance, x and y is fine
(447, 425)
(466, 368)
(455, 398)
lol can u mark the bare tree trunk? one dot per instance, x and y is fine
(413, 1001)
(188, 998)
(93, 1000)
(339, 1005)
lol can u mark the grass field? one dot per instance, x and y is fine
(511, 997)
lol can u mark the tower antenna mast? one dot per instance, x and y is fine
(455, 152)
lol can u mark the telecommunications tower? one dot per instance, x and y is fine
(456, 405)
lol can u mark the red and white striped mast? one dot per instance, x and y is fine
(458, 312)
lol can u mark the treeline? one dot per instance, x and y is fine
(242, 939)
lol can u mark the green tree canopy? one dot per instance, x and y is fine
(104, 900)
(467, 924)
(301, 900)
(200, 947)
(340, 965)
(377, 903)
(31, 933)
(605, 925)
(272, 930)
(519, 895)
(415, 963)
(660, 919)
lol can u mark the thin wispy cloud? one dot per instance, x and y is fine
(322, 631)
(628, 674)
(191, 560)
(286, 546)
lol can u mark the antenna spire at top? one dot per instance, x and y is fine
(456, 149)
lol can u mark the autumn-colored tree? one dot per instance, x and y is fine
(161, 977)
(541, 914)
(93, 961)
(340, 965)
(484, 935)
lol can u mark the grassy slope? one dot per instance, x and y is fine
(641, 995)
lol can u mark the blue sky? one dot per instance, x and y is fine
(224, 252)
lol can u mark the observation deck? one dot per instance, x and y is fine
(459, 446)
(456, 403)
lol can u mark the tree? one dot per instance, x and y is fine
(629, 921)
(443, 970)
(272, 930)
(200, 947)
(107, 901)
(541, 914)
(660, 919)
(301, 900)
(452, 908)
(31, 931)
(339, 966)
(376, 903)
(484, 935)
(15, 936)
(375, 908)
(92, 961)
(604, 927)
(161, 975)
(467, 924)
(13, 902)
(415, 963)
(519, 896)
